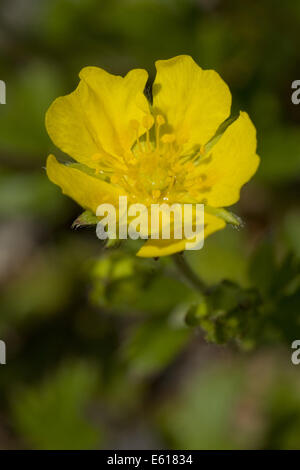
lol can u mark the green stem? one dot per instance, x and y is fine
(186, 271)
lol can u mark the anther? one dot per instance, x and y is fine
(160, 120)
(156, 193)
(168, 138)
(148, 121)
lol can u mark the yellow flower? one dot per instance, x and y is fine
(172, 150)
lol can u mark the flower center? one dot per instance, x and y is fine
(157, 168)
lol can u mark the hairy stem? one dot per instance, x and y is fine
(188, 274)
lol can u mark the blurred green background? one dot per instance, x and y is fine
(105, 350)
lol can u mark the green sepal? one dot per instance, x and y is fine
(85, 219)
(227, 216)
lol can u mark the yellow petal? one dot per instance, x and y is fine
(233, 163)
(95, 118)
(86, 190)
(194, 101)
(157, 248)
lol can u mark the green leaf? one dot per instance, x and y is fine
(153, 345)
(52, 414)
(200, 415)
(196, 313)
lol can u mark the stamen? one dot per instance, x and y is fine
(172, 182)
(200, 153)
(135, 125)
(156, 193)
(148, 122)
(130, 158)
(204, 161)
(160, 121)
(158, 167)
